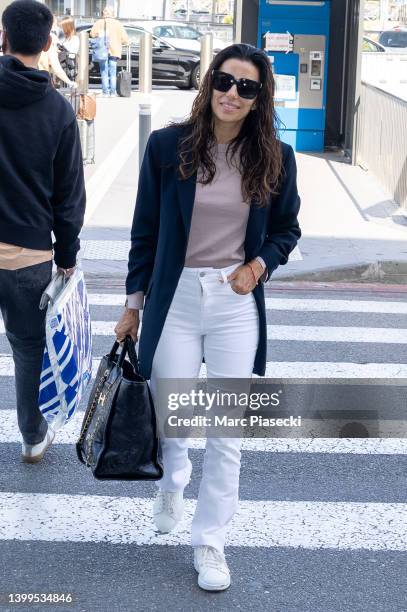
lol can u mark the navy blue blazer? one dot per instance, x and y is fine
(160, 230)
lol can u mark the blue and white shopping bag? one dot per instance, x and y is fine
(67, 362)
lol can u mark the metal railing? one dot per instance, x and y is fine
(381, 139)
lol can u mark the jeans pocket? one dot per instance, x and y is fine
(239, 296)
(34, 277)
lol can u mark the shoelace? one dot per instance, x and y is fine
(166, 502)
(213, 558)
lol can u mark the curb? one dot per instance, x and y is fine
(381, 273)
(385, 272)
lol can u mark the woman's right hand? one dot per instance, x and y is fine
(128, 325)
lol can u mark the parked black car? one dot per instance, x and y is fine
(171, 66)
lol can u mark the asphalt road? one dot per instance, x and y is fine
(328, 521)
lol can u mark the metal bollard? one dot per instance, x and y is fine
(83, 134)
(206, 55)
(83, 63)
(144, 130)
(146, 63)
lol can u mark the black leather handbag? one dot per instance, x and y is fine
(118, 438)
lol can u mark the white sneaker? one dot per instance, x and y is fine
(168, 510)
(32, 453)
(211, 566)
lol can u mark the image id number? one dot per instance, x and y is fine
(17, 598)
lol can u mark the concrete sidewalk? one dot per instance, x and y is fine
(350, 225)
(351, 229)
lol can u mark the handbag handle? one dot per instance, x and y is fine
(129, 349)
(53, 289)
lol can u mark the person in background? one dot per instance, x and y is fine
(71, 39)
(117, 37)
(42, 192)
(69, 47)
(56, 31)
(49, 62)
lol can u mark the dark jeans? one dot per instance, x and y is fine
(20, 294)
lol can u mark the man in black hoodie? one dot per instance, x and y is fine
(41, 191)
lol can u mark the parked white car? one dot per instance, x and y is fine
(181, 35)
(395, 40)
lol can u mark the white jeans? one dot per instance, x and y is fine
(206, 318)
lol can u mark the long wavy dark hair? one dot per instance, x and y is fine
(260, 158)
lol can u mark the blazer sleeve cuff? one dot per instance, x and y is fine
(135, 301)
(263, 277)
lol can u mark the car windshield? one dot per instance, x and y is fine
(189, 33)
(164, 31)
(134, 35)
(393, 39)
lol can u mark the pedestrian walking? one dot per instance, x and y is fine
(69, 48)
(49, 61)
(112, 29)
(42, 191)
(217, 201)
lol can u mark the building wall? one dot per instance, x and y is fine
(140, 10)
(125, 9)
(3, 4)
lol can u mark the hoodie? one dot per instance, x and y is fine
(41, 171)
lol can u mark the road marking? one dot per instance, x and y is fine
(311, 305)
(331, 369)
(299, 333)
(311, 333)
(124, 520)
(288, 369)
(106, 299)
(303, 305)
(69, 434)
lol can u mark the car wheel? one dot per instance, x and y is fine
(181, 86)
(195, 77)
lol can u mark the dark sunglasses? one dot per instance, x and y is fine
(246, 88)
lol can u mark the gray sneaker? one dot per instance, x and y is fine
(33, 453)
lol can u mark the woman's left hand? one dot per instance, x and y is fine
(242, 280)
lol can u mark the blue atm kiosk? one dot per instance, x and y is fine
(295, 36)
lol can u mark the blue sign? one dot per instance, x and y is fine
(295, 36)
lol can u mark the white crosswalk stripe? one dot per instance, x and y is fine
(300, 333)
(357, 446)
(126, 520)
(307, 524)
(288, 369)
(290, 304)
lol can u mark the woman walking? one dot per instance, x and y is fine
(69, 48)
(49, 61)
(217, 201)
